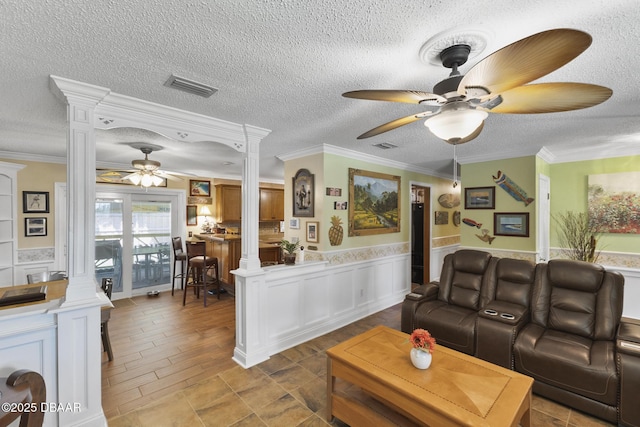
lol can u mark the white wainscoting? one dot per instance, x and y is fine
(29, 342)
(631, 307)
(306, 301)
(437, 259)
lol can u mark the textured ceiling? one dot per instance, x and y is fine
(283, 65)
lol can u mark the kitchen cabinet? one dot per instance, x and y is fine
(228, 203)
(227, 248)
(271, 204)
(269, 253)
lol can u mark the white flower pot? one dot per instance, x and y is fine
(420, 359)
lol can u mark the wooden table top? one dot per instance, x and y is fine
(55, 290)
(457, 386)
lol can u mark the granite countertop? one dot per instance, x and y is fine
(218, 237)
(268, 241)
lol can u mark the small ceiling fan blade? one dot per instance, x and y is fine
(523, 61)
(393, 125)
(551, 98)
(168, 175)
(407, 96)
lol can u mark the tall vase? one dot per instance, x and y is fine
(420, 359)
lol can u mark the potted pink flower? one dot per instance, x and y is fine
(423, 344)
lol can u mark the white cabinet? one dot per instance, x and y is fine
(8, 221)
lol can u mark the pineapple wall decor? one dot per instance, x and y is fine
(336, 232)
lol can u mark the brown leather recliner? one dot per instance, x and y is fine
(569, 347)
(448, 309)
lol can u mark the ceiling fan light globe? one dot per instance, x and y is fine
(455, 125)
(147, 180)
(156, 180)
(135, 179)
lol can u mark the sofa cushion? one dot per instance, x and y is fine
(579, 275)
(572, 311)
(515, 278)
(569, 362)
(452, 326)
(465, 290)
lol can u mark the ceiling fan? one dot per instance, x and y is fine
(148, 171)
(459, 104)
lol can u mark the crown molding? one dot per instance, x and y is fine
(618, 148)
(356, 155)
(32, 157)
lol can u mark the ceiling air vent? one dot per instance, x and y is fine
(385, 145)
(190, 86)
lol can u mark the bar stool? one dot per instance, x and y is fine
(178, 255)
(105, 315)
(199, 265)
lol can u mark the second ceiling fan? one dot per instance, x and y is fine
(459, 104)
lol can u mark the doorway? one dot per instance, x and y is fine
(133, 233)
(133, 241)
(420, 234)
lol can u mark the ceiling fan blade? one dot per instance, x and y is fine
(407, 96)
(551, 98)
(523, 61)
(168, 175)
(393, 125)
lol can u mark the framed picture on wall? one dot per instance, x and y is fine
(35, 226)
(312, 231)
(480, 198)
(511, 224)
(374, 203)
(192, 215)
(35, 202)
(303, 194)
(199, 188)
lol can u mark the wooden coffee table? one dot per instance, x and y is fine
(371, 381)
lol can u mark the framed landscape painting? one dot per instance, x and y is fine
(511, 224)
(374, 203)
(480, 198)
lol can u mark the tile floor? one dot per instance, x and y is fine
(173, 367)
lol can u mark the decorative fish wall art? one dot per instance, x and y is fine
(471, 222)
(512, 188)
(485, 237)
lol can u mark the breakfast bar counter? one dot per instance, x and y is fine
(227, 248)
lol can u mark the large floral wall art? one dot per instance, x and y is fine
(614, 202)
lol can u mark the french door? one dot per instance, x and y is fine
(133, 241)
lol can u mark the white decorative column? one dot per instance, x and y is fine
(251, 329)
(78, 317)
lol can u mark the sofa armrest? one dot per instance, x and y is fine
(427, 292)
(419, 295)
(628, 339)
(505, 312)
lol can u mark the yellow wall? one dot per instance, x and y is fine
(331, 170)
(569, 182)
(38, 176)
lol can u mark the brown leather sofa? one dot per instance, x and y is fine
(559, 323)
